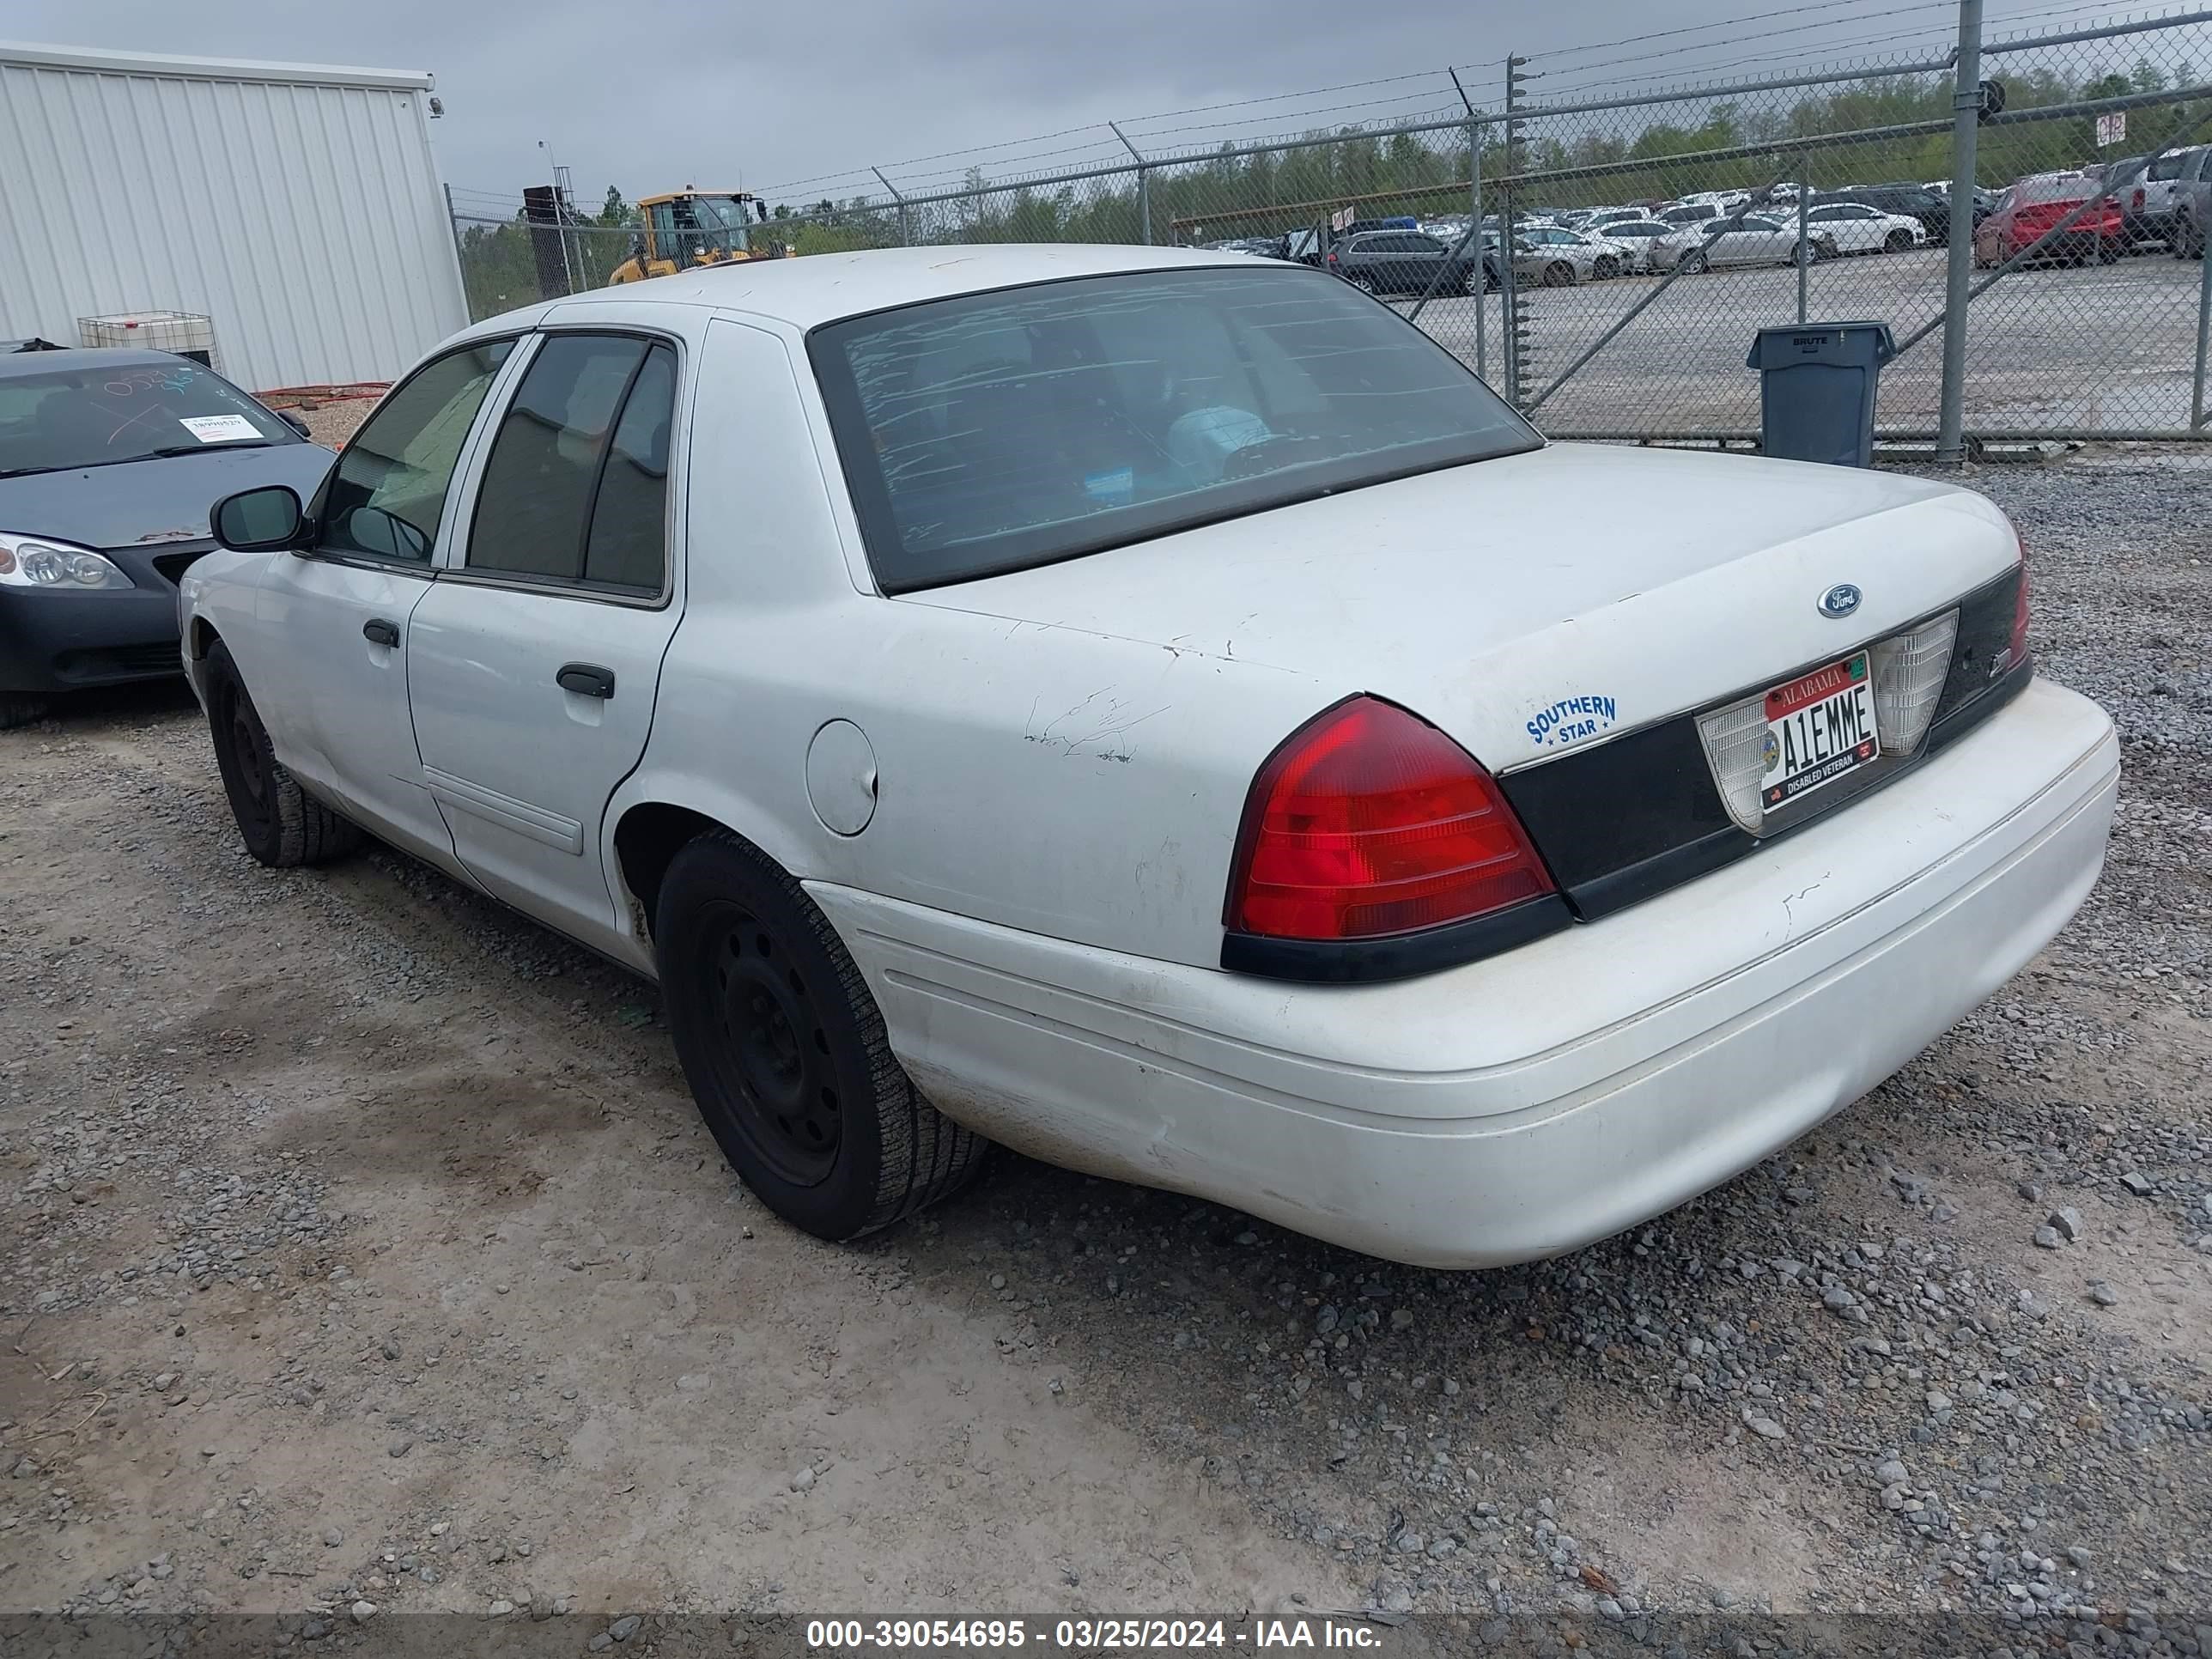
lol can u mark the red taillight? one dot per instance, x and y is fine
(2016, 653)
(1332, 258)
(1369, 820)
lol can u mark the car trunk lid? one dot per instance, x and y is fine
(1540, 601)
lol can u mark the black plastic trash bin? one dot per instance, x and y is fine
(1816, 390)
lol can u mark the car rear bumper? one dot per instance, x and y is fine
(1527, 1104)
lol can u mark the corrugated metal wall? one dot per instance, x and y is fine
(298, 207)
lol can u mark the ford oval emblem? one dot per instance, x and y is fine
(1840, 600)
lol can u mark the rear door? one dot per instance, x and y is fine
(534, 661)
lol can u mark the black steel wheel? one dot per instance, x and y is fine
(770, 1048)
(786, 1051)
(280, 822)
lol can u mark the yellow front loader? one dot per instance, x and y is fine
(688, 229)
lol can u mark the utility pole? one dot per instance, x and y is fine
(1958, 274)
(1511, 333)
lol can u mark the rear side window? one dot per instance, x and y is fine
(575, 487)
(628, 543)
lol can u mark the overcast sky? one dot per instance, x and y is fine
(649, 94)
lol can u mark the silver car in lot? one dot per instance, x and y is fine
(1754, 240)
(1555, 257)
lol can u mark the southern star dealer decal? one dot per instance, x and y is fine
(1570, 720)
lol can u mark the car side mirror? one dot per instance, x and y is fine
(261, 520)
(374, 530)
(295, 423)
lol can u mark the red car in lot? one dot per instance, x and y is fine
(2033, 207)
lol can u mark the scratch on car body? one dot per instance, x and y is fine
(1789, 920)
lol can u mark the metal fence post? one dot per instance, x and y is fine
(2197, 413)
(1474, 212)
(906, 230)
(1804, 251)
(1144, 181)
(1509, 295)
(1474, 230)
(1959, 272)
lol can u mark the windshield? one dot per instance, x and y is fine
(730, 214)
(1001, 430)
(92, 416)
(2063, 187)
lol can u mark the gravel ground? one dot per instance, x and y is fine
(364, 1250)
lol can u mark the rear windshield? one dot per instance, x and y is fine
(1001, 430)
(91, 417)
(2064, 187)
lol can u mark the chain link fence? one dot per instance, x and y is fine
(1653, 233)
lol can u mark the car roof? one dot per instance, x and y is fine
(822, 288)
(15, 363)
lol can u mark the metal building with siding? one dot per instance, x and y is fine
(297, 206)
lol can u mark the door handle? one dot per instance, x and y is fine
(585, 679)
(376, 631)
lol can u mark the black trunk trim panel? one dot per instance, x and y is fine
(1631, 818)
(1397, 956)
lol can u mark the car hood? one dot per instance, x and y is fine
(143, 503)
(1475, 596)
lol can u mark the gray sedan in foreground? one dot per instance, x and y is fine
(109, 460)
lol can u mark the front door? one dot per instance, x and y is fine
(331, 687)
(534, 660)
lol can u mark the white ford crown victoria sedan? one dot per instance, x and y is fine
(1129, 705)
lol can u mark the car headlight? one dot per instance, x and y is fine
(40, 561)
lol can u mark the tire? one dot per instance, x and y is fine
(2109, 252)
(1558, 274)
(786, 1053)
(1897, 241)
(1363, 282)
(280, 823)
(1824, 250)
(1605, 268)
(1693, 262)
(17, 709)
(1473, 280)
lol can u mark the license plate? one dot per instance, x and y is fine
(1819, 727)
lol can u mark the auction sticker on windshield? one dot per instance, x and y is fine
(1819, 727)
(217, 429)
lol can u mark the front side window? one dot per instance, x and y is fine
(387, 493)
(575, 487)
(98, 416)
(1005, 430)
